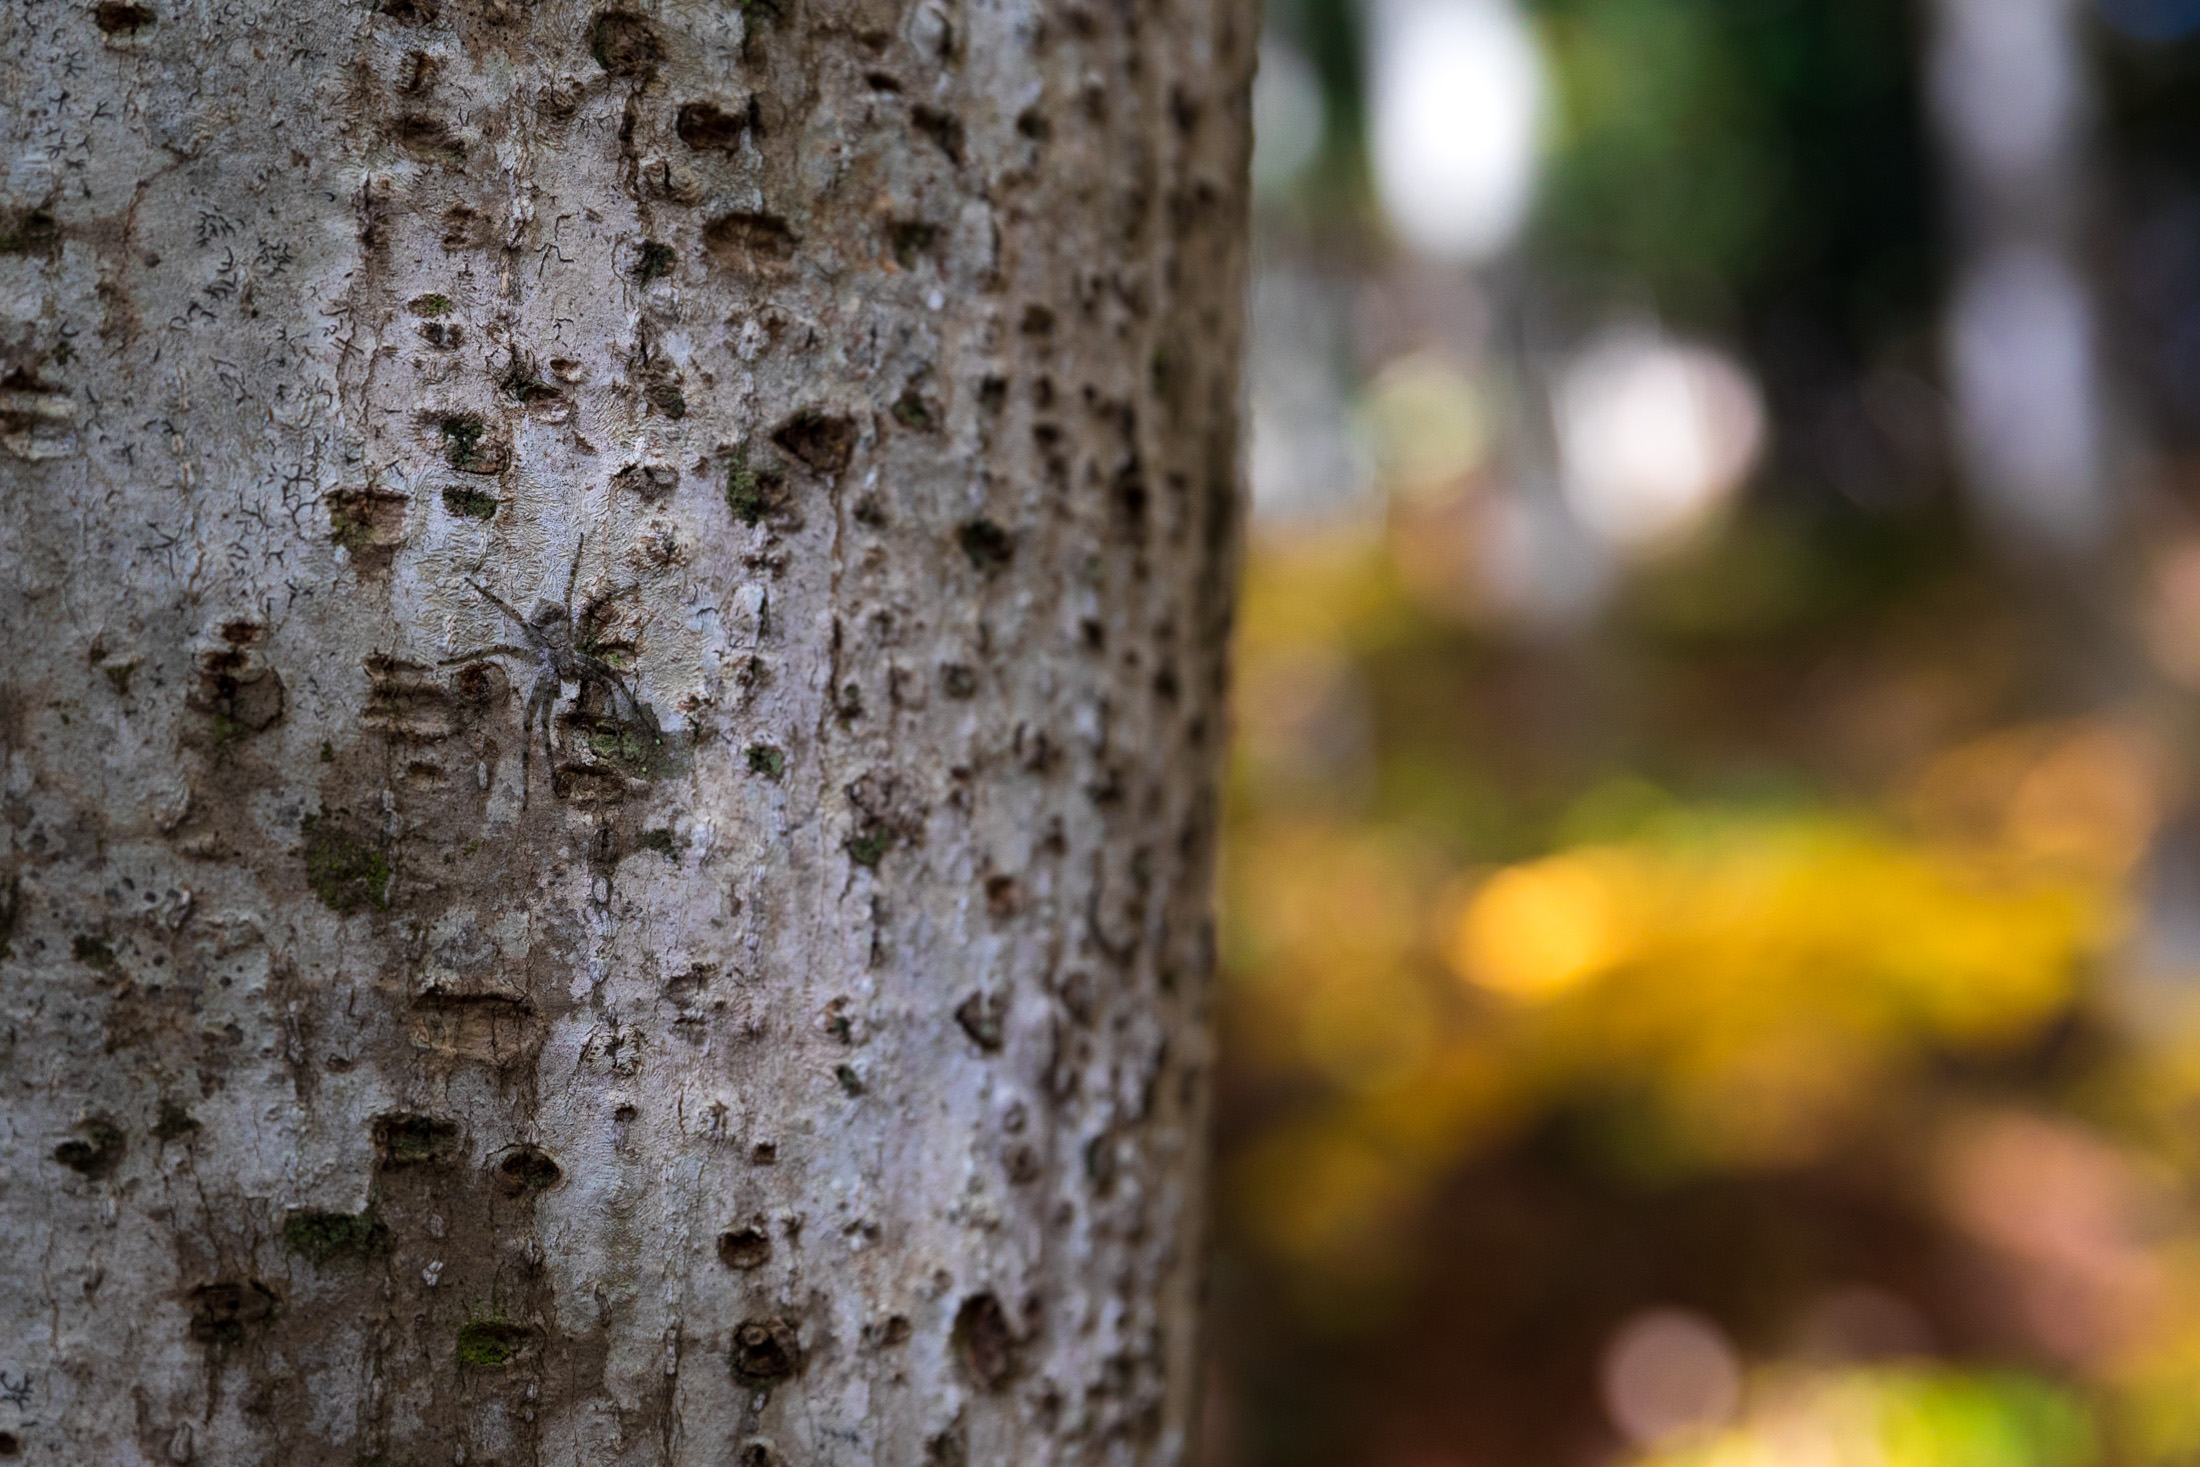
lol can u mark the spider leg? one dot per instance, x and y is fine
(497, 601)
(595, 669)
(501, 649)
(527, 741)
(552, 687)
(572, 575)
(598, 603)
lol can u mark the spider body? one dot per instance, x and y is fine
(553, 644)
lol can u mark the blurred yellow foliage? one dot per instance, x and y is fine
(1900, 1417)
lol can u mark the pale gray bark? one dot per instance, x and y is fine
(767, 1026)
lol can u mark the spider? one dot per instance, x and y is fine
(561, 652)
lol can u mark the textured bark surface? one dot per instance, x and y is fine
(615, 632)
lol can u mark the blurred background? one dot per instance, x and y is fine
(1712, 896)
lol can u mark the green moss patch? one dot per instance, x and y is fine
(346, 871)
(327, 1237)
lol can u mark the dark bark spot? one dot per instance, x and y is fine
(369, 523)
(428, 139)
(417, 75)
(983, 1016)
(1038, 320)
(766, 760)
(93, 951)
(910, 240)
(490, 1344)
(96, 1151)
(243, 697)
(824, 441)
(754, 492)
(624, 44)
(744, 1248)
(465, 229)
(765, 1350)
(1033, 124)
(650, 481)
(881, 81)
(707, 127)
(912, 411)
(121, 18)
(526, 1169)
(222, 1311)
(985, 1342)
(414, 1140)
(174, 1123)
(993, 393)
(28, 232)
(410, 12)
(986, 543)
(958, 681)
(750, 242)
(1004, 895)
(944, 128)
(348, 871)
(653, 262)
(473, 504)
(468, 445)
(323, 1238)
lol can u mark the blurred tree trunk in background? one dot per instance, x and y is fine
(616, 637)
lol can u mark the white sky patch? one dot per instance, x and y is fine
(1457, 100)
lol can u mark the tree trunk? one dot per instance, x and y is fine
(616, 636)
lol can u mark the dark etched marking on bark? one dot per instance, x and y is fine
(468, 445)
(755, 491)
(750, 243)
(945, 130)
(707, 127)
(428, 139)
(346, 867)
(222, 1311)
(491, 1344)
(913, 410)
(983, 1017)
(122, 19)
(988, 546)
(368, 524)
(322, 1238)
(765, 1350)
(525, 1170)
(486, 1028)
(653, 261)
(96, 1150)
(241, 695)
(470, 503)
(822, 440)
(174, 1122)
(984, 1341)
(744, 1248)
(911, 240)
(403, 1139)
(625, 44)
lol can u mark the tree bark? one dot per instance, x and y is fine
(616, 629)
